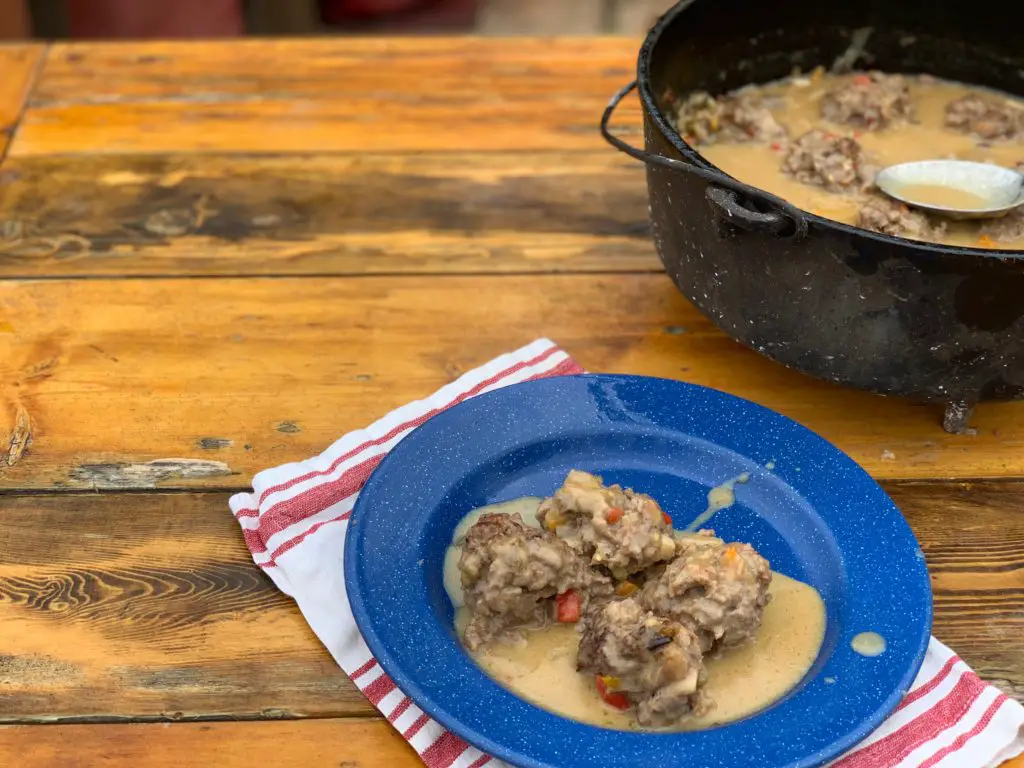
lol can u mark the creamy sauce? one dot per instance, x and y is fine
(741, 681)
(943, 196)
(798, 109)
(720, 497)
(868, 644)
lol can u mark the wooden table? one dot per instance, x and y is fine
(215, 258)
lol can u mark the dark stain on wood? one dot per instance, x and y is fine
(288, 427)
(148, 474)
(103, 353)
(214, 443)
(190, 677)
(20, 671)
(62, 209)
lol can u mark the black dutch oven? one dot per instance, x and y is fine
(885, 314)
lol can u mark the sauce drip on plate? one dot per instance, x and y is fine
(868, 644)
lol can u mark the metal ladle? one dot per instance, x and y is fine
(956, 189)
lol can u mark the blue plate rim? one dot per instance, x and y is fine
(494, 748)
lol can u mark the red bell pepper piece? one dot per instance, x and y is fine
(610, 697)
(567, 606)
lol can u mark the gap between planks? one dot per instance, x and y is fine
(21, 65)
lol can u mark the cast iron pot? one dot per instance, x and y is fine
(885, 314)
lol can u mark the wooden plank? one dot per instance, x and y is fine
(218, 379)
(972, 535)
(307, 744)
(18, 67)
(348, 743)
(332, 214)
(314, 96)
(147, 605)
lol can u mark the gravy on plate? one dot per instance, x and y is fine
(741, 680)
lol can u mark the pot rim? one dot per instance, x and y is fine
(652, 111)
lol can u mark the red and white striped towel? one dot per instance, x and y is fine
(295, 521)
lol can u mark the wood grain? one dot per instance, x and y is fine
(216, 379)
(330, 214)
(307, 744)
(349, 743)
(18, 67)
(972, 535)
(147, 606)
(314, 96)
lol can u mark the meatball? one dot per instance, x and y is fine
(869, 101)
(656, 664)
(891, 217)
(718, 590)
(613, 527)
(512, 573)
(705, 119)
(822, 159)
(988, 117)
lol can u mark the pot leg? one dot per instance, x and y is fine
(958, 413)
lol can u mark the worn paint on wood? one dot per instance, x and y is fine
(149, 474)
(179, 360)
(148, 606)
(314, 96)
(223, 215)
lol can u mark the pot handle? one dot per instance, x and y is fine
(726, 196)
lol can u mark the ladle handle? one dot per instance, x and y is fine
(729, 198)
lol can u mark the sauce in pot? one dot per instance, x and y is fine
(796, 105)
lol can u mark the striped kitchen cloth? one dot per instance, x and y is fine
(295, 519)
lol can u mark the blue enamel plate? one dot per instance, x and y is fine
(814, 513)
